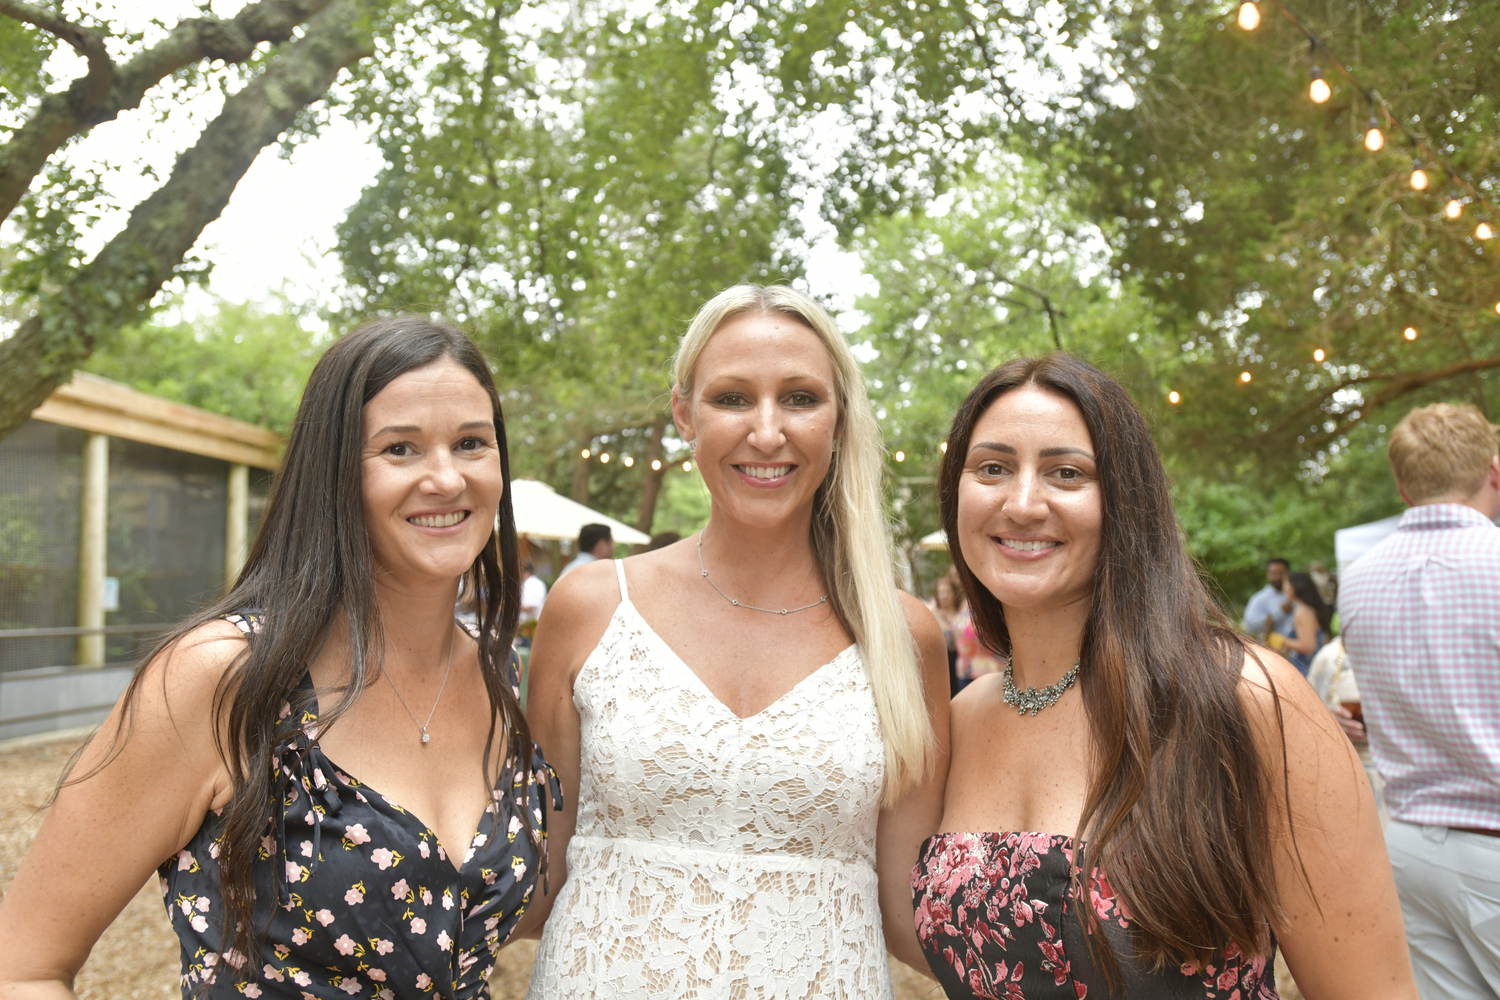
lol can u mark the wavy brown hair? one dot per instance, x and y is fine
(1179, 805)
(311, 566)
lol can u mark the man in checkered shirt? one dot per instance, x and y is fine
(1421, 624)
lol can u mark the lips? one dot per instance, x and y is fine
(447, 520)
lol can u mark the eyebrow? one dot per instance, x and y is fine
(472, 425)
(1044, 453)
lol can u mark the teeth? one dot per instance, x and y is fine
(1028, 546)
(438, 520)
(765, 471)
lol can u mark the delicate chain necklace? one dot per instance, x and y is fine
(1036, 698)
(449, 670)
(769, 611)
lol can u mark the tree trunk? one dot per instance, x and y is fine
(651, 488)
(114, 288)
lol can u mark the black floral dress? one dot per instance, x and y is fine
(994, 918)
(361, 899)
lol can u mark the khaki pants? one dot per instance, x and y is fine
(1449, 884)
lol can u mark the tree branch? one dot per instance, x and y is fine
(108, 90)
(87, 43)
(113, 288)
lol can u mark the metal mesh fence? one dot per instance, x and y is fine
(39, 515)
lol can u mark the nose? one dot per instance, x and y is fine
(766, 433)
(441, 476)
(1025, 503)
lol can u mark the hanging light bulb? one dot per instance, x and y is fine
(656, 465)
(1418, 177)
(629, 462)
(1318, 355)
(1410, 333)
(900, 456)
(1173, 397)
(943, 447)
(687, 466)
(1319, 90)
(1244, 376)
(1483, 231)
(1249, 17)
(1374, 138)
(1454, 208)
(584, 453)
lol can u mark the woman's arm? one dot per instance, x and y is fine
(916, 815)
(1341, 926)
(573, 620)
(124, 816)
(1305, 623)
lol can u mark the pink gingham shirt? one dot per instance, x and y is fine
(1420, 615)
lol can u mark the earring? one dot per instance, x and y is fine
(693, 447)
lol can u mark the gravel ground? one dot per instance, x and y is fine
(136, 959)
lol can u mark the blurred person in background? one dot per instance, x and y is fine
(595, 541)
(1269, 611)
(972, 659)
(1421, 623)
(661, 540)
(1310, 621)
(947, 606)
(533, 596)
(1332, 678)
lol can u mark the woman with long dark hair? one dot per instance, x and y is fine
(333, 778)
(1311, 620)
(1140, 803)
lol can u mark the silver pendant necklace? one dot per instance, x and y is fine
(1036, 698)
(769, 611)
(446, 672)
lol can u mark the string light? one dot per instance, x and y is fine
(1374, 138)
(1497, 307)
(629, 462)
(1418, 177)
(1454, 208)
(1244, 376)
(1249, 16)
(604, 458)
(1173, 397)
(687, 466)
(1319, 90)
(1318, 354)
(584, 453)
(1410, 333)
(900, 456)
(1483, 231)
(656, 465)
(943, 447)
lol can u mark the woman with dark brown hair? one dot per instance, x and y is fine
(1142, 803)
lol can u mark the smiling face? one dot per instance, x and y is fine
(1030, 507)
(763, 413)
(430, 472)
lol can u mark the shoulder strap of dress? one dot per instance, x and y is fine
(620, 572)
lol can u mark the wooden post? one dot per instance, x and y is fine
(236, 523)
(93, 547)
(651, 487)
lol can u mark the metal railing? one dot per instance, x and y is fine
(64, 632)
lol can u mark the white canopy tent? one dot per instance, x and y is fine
(1351, 543)
(542, 512)
(935, 542)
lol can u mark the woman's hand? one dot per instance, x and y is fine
(133, 805)
(915, 817)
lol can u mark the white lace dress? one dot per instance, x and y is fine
(717, 856)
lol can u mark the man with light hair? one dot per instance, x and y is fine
(1421, 623)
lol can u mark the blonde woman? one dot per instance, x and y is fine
(750, 725)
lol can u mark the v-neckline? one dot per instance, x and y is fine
(650, 630)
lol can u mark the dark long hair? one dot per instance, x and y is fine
(1178, 812)
(312, 565)
(1307, 592)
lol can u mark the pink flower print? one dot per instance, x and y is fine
(423, 849)
(270, 973)
(199, 923)
(213, 849)
(350, 985)
(447, 900)
(385, 994)
(166, 890)
(444, 942)
(514, 827)
(267, 846)
(210, 960)
(184, 861)
(442, 854)
(300, 936)
(309, 819)
(252, 991)
(185, 904)
(302, 979)
(480, 840)
(424, 982)
(234, 958)
(344, 945)
(377, 974)
(383, 947)
(293, 872)
(518, 866)
(418, 925)
(357, 834)
(308, 996)
(307, 848)
(202, 904)
(400, 889)
(426, 896)
(354, 896)
(1228, 978)
(324, 917)
(286, 709)
(382, 857)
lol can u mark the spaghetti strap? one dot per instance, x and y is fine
(620, 572)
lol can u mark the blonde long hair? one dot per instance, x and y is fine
(850, 538)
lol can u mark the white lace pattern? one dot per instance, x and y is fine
(718, 857)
